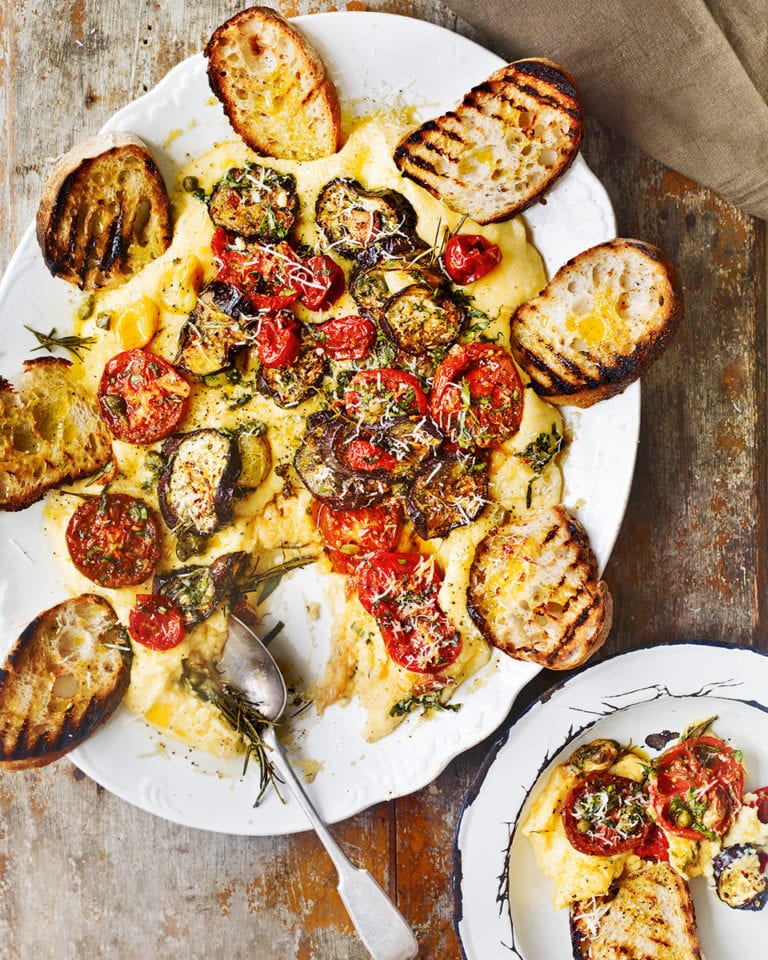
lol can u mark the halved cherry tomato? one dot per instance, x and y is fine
(263, 272)
(142, 397)
(400, 590)
(353, 536)
(379, 397)
(367, 456)
(346, 338)
(760, 803)
(477, 395)
(605, 814)
(469, 257)
(277, 338)
(655, 846)
(114, 540)
(320, 281)
(696, 788)
(156, 622)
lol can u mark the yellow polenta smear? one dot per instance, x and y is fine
(278, 513)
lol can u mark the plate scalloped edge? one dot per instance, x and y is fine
(494, 923)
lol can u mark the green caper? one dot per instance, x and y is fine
(583, 826)
(115, 404)
(85, 309)
(190, 184)
(102, 321)
(684, 819)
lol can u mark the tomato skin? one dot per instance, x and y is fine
(400, 590)
(379, 396)
(142, 397)
(367, 456)
(114, 540)
(264, 273)
(620, 822)
(277, 339)
(320, 282)
(760, 803)
(655, 846)
(696, 788)
(469, 257)
(353, 536)
(156, 622)
(346, 338)
(477, 395)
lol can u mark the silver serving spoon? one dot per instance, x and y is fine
(249, 670)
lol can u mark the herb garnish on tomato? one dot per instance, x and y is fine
(605, 814)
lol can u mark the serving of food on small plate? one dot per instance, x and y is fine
(380, 385)
(625, 813)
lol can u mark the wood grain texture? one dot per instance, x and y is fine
(83, 874)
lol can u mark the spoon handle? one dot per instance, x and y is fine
(380, 925)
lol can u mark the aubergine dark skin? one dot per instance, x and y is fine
(216, 329)
(378, 272)
(329, 480)
(421, 318)
(447, 492)
(198, 481)
(740, 879)
(256, 202)
(352, 218)
(197, 590)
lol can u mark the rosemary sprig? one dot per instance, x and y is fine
(266, 581)
(49, 341)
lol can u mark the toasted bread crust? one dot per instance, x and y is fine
(53, 433)
(104, 212)
(274, 86)
(601, 322)
(648, 916)
(63, 678)
(534, 591)
(504, 145)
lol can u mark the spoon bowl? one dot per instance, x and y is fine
(249, 670)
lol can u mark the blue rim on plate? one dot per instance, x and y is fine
(639, 690)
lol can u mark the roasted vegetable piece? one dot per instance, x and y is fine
(217, 327)
(292, 383)
(255, 460)
(379, 397)
(740, 879)
(352, 537)
(332, 483)
(197, 590)
(255, 202)
(352, 218)
(421, 318)
(605, 814)
(377, 275)
(447, 492)
(196, 486)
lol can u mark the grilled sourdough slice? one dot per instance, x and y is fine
(599, 324)
(649, 917)
(52, 433)
(63, 678)
(534, 591)
(503, 146)
(104, 212)
(273, 86)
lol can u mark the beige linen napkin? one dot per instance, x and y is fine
(685, 80)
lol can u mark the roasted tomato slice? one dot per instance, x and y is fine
(277, 338)
(263, 272)
(142, 398)
(605, 814)
(477, 395)
(696, 788)
(156, 622)
(760, 803)
(353, 536)
(346, 338)
(400, 590)
(114, 540)
(377, 398)
(319, 280)
(469, 257)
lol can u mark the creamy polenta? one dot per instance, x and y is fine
(277, 514)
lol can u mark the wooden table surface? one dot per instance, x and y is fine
(84, 874)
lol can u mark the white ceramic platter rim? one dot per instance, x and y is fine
(375, 60)
(627, 697)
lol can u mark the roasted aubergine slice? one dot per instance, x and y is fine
(198, 589)
(256, 202)
(352, 218)
(198, 481)
(447, 492)
(217, 327)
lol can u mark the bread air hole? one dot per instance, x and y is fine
(65, 686)
(141, 222)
